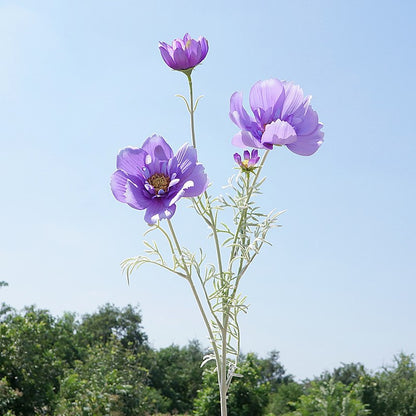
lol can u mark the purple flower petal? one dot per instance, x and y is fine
(266, 98)
(254, 158)
(307, 124)
(279, 133)
(131, 159)
(166, 55)
(293, 99)
(249, 162)
(184, 53)
(237, 159)
(195, 184)
(152, 178)
(307, 145)
(283, 116)
(118, 185)
(181, 59)
(204, 47)
(158, 211)
(157, 150)
(124, 190)
(193, 50)
(245, 139)
(186, 157)
(238, 114)
(179, 43)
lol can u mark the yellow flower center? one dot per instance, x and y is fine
(245, 163)
(159, 181)
(187, 44)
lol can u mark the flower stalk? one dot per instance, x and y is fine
(221, 361)
(191, 108)
(196, 296)
(153, 178)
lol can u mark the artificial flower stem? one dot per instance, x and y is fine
(244, 214)
(249, 193)
(194, 291)
(215, 234)
(167, 237)
(250, 189)
(178, 247)
(192, 109)
(223, 375)
(221, 364)
(211, 216)
(257, 174)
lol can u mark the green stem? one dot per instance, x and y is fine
(194, 291)
(215, 234)
(192, 109)
(167, 238)
(244, 213)
(244, 218)
(178, 247)
(221, 363)
(210, 213)
(250, 190)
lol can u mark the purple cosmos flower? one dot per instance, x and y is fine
(184, 53)
(249, 162)
(282, 116)
(153, 178)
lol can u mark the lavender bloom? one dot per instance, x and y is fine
(184, 53)
(282, 116)
(154, 179)
(249, 162)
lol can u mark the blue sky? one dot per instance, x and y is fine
(81, 80)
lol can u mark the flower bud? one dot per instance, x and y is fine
(184, 54)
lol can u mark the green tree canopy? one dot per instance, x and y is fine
(110, 321)
(177, 374)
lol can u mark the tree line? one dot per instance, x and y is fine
(102, 364)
